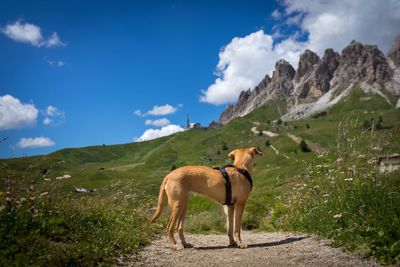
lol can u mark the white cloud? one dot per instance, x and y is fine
(244, 62)
(156, 133)
(14, 114)
(54, 40)
(31, 34)
(35, 142)
(47, 121)
(138, 112)
(53, 111)
(333, 24)
(162, 110)
(55, 63)
(158, 123)
(326, 24)
(276, 14)
(53, 116)
(158, 110)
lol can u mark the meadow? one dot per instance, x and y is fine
(337, 192)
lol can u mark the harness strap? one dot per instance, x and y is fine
(244, 172)
(228, 186)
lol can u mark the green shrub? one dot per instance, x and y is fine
(304, 147)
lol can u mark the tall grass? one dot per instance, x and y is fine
(39, 229)
(345, 198)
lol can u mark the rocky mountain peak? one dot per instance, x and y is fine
(361, 63)
(394, 52)
(306, 63)
(329, 76)
(330, 60)
(283, 70)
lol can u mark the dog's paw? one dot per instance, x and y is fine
(232, 244)
(174, 247)
(242, 245)
(187, 245)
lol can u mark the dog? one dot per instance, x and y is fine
(208, 182)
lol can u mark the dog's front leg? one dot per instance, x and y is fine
(230, 224)
(238, 225)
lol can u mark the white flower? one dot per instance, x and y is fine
(349, 179)
(326, 195)
(339, 160)
(337, 216)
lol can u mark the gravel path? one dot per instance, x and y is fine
(265, 249)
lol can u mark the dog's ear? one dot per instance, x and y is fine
(255, 151)
(232, 154)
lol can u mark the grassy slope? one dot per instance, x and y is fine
(137, 169)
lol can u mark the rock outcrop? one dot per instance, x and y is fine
(358, 64)
(394, 52)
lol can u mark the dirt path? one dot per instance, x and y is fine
(265, 249)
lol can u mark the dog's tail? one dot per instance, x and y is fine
(160, 203)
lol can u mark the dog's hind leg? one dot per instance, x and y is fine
(175, 210)
(181, 222)
(238, 225)
(230, 224)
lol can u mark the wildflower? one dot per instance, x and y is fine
(361, 156)
(372, 161)
(337, 216)
(325, 200)
(326, 195)
(44, 194)
(47, 179)
(349, 179)
(32, 198)
(318, 166)
(315, 187)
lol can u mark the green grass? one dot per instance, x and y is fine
(345, 198)
(136, 170)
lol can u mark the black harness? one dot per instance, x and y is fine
(228, 186)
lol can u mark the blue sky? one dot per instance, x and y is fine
(74, 73)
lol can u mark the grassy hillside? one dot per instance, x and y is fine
(124, 180)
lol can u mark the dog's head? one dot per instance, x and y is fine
(243, 157)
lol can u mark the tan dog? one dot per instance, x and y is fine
(209, 182)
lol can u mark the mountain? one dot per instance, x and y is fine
(319, 83)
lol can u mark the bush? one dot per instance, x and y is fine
(224, 146)
(304, 147)
(267, 143)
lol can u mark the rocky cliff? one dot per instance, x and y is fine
(319, 83)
